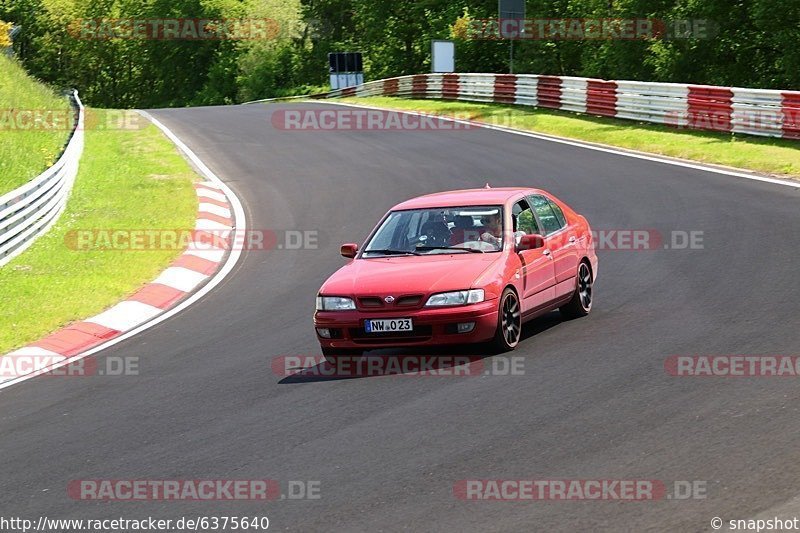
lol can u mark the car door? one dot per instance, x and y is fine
(560, 240)
(538, 272)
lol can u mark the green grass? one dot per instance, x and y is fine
(771, 156)
(25, 152)
(128, 179)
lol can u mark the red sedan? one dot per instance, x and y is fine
(458, 267)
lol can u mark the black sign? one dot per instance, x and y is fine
(511, 14)
(511, 9)
(345, 62)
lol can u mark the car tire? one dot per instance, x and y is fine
(581, 302)
(332, 355)
(509, 322)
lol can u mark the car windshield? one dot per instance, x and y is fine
(473, 229)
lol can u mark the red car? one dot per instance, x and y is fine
(458, 267)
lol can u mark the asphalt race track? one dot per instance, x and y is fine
(594, 402)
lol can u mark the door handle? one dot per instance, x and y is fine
(546, 252)
(572, 239)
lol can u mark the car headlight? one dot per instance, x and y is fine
(334, 303)
(472, 296)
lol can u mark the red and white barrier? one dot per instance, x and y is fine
(574, 94)
(601, 97)
(790, 106)
(757, 111)
(727, 109)
(710, 108)
(505, 89)
(548, 92)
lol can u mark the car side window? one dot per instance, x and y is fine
(559, 213)
(524, 219)
(547, 216)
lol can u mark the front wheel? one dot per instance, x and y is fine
(509, 322)
(581, 302)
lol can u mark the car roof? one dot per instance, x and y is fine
(466, 197)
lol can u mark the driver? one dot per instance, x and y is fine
(436, 231)
(492, 229)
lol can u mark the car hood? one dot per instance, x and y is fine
(409, 274)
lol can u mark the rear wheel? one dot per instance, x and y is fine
(509, 322)
(581, 302)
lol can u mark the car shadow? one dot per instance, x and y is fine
(541, 324)
(463, 360)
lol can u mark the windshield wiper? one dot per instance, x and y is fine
(391, 252)
(470, 250)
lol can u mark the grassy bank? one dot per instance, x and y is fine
(771, 156)
(25, 150)
(128, 179)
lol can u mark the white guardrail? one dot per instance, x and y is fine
(770, 113)
(28, 212)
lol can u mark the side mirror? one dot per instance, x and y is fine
(530, 241)
(349, 250)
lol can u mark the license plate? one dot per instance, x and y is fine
(389, 324)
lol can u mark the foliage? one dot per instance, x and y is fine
(5, 34)
(747, 43)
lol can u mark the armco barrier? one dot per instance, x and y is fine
(726, 109)
(28, 212)
(791, 115)
(710, 108)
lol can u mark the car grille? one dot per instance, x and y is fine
(370, 301)
(406, 301)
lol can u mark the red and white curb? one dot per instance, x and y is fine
(198, 270)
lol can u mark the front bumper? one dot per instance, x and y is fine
(432, 326)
